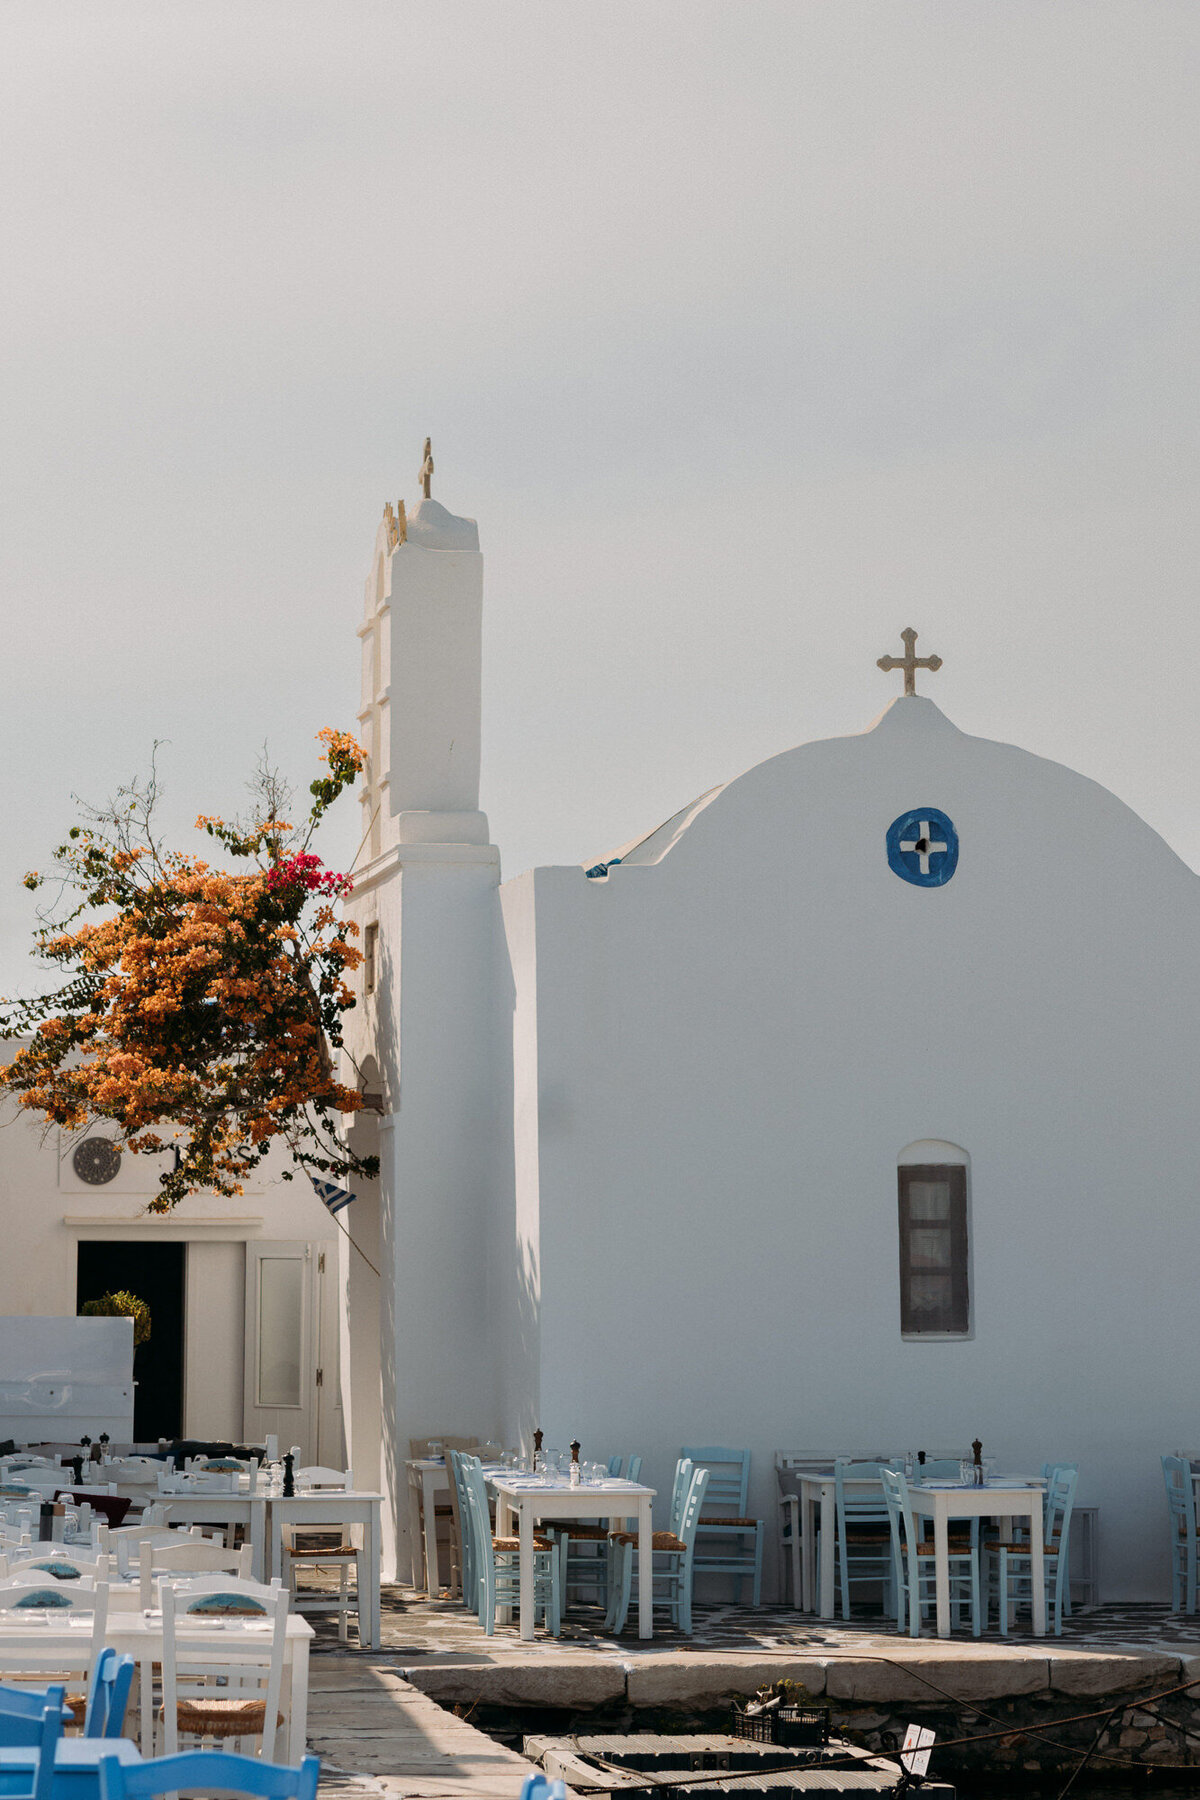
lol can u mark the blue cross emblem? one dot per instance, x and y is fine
(922, 847)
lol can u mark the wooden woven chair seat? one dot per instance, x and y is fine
(661, 1540)
(327, 1553)
(512, 1543)
(960, 1548)
(592, 1534)
(222, 1718)
(738, 1524)
(76, 1705)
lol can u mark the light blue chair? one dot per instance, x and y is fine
(211, 1771)
(466, 1533)
(587, 1571)
(673, 1558)
(36, 1722)
(1048, 1469)
(728, 1543)
(108, 1695)
(1014, 1563)
(497, 1562)
(914, 1565)
(1181, 1517)
(863, 1549)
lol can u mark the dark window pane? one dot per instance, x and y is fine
(933, 1249)
(929, 1249)
(929, 1199)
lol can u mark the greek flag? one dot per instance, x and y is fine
(334, 1197)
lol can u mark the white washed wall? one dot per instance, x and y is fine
(732, 1046)
(47, 1211)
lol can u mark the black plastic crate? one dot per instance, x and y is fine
(793, 1727)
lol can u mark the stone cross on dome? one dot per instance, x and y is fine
(910, 662)
(426, 475)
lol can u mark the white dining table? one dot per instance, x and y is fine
(527, 1498)
(48, 1642)
(1005, 1498)
(317, 1507)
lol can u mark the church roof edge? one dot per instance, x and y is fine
(907, 713)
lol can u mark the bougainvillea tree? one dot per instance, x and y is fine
(199, 1007)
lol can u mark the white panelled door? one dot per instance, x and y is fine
(292, 1386)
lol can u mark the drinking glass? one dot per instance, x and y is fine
(966, 1472)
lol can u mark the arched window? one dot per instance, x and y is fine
(935, 1297)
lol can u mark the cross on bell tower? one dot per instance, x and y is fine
(910, 662)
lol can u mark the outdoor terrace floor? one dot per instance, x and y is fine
(417, 1628)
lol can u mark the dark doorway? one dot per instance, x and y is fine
(154, 1272)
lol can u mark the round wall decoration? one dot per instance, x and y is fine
(922, 847)
(96, 1160)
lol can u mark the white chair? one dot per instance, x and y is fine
(126, 1541)
(790, 1521)
(914, 1565)
(228, 1694)
(189, 1557)
(42, 1602)
(342, 1548)
(61, 1562)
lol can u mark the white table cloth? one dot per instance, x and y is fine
(527, 1498)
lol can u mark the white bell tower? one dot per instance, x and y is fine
(415, 1358)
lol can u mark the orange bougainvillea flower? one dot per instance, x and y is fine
(202, 1007)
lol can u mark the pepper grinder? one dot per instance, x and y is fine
(77, 1470)
(977, 1453)
(576, 1473)
(538, 1459)
(289, 1475)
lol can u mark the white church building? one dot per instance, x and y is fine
(855, 1108)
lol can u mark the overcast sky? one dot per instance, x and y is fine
(749, 332)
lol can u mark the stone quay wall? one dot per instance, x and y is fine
(1016, 1711)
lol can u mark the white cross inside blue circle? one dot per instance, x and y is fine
(922, 847)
